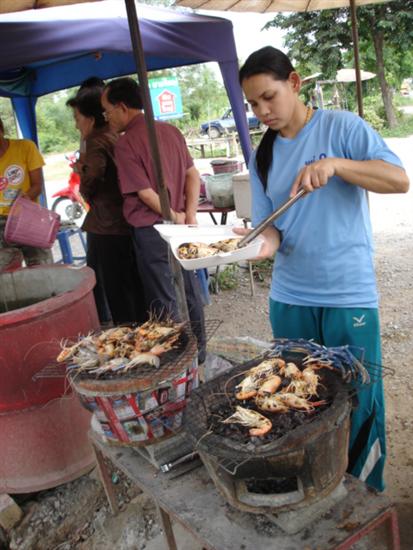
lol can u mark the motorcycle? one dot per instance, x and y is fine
(69, 203)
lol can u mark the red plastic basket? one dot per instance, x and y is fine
(226, 166)
(30, 224)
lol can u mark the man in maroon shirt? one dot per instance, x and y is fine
(122, 103)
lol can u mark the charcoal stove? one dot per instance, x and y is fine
(144, 407)
(275, 474)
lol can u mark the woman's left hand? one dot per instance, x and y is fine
(314, 176)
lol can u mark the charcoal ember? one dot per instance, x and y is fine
(282, 422)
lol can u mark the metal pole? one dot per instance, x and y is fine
(147, 106)
(156, 158)
(356, 57)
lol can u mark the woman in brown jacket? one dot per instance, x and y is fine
(109, 242)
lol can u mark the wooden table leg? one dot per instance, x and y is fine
(394, 528)
(250, 265)
(106, 480)
(389, 515)
(167, 529)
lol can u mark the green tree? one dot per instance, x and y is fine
(6, 115)
(203, 96)
(56, 128)
(386, 37)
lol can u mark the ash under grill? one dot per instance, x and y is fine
(300, 462)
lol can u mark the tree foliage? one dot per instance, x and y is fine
(55, 124)
(322, 40)
(203, 97)
(6, 115)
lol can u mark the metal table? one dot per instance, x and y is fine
(193, 501)
(208, 208)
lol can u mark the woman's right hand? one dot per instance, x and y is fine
(271, 238)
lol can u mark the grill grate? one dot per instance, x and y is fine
(50, 371)
(171, 362)
(349, 361)
(213, 402)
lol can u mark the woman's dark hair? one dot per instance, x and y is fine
(87, 102)
(125, 90)
(1, 126)
(273, 62)
(92, 82)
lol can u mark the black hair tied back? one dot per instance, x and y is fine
(273, 62)
(264, 155)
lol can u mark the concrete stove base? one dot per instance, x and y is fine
(294, 521)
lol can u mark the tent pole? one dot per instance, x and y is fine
(147, 106)
(356, 57)
(140, 63)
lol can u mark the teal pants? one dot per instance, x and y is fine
(359, 327)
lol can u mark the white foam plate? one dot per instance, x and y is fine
(246, 253)
(191, 233)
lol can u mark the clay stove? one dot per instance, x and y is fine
(301, 470)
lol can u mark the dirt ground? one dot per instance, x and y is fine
(76, 515)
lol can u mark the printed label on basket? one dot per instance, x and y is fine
(142, 416)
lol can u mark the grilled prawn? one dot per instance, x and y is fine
(259, 424)
(192, 251)
(256, 377)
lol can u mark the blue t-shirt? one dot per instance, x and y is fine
(326, 253)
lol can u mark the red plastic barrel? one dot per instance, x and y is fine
(10, 259)
(43, 427)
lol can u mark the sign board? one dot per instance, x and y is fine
(166, 97)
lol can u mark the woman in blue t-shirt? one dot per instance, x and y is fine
(323, 285)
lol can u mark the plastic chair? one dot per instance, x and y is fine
(64, 238)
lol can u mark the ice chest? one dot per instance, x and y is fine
(242, 195)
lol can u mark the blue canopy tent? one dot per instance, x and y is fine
(51, 49)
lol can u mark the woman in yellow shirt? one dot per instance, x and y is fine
(20, 174)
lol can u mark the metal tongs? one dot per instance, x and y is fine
(186, 458)
(265, 223)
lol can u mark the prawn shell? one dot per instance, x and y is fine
(270, 385)
(192, 251)
(294, 402)
(65, 354)
(271, 404)
(227, 245)
(244, 395)
(260, 432)
(148, 358)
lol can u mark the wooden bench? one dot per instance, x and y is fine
(193, 501)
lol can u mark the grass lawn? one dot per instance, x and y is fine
(404, 128)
